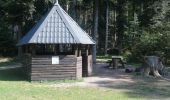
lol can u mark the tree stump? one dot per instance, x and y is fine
(152, 65)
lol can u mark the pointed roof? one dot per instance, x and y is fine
(56, 27)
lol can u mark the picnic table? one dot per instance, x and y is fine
(116, 60)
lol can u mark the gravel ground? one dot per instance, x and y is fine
(102, 77)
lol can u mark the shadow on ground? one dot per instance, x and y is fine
(131, 84)
(11, 70)
(12, 74)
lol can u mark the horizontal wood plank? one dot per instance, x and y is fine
(42, 68)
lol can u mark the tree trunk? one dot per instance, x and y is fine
(74, 10)
(18, 38)
(107, 26)
(115, 20)
(96, 12)
(67, 6)
(121, 22)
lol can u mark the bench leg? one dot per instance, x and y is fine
(123, 64)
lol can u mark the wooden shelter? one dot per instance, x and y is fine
(56, 48)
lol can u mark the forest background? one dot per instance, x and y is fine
(131, 28)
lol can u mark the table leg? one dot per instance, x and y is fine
(115, 63)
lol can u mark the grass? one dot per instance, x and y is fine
(57, 81)
(14, 87)
(26, 91)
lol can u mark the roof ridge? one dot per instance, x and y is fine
(41, 26)
(67, 24)
(38, 24)
(79, 27)
(76, 25)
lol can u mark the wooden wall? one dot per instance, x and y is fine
(69, 67)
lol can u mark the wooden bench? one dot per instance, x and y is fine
(115, 61)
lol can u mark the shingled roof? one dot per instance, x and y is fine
(56, 27)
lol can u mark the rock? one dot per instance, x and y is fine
(129, 70)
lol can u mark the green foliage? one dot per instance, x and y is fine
(149, 41)
(21, 13)
(148, 32)
(151, 44)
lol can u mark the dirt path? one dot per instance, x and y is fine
(8, 64)
(103, 77)
(10, 67)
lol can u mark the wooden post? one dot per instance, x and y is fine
(20, 51)
(89, 61)
(57, 49)
(87, 50)
(90, 49)
(76, 50)
(33, 51)
(79, 50)
(115, 63)
(26, 49)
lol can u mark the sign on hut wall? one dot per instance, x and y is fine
(55, 60)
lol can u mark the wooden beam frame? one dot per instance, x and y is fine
(87, 50)
(90, 49)
(56, 49)
(33, 49)
(79, 50)
(75, 50)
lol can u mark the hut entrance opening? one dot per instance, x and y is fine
(86, 61)
(59, 49)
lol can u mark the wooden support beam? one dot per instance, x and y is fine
(87, 50)
(57, 49)
(26, 49)
(90, 49)
(79, 50)
(33, 49)
(76, 50)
